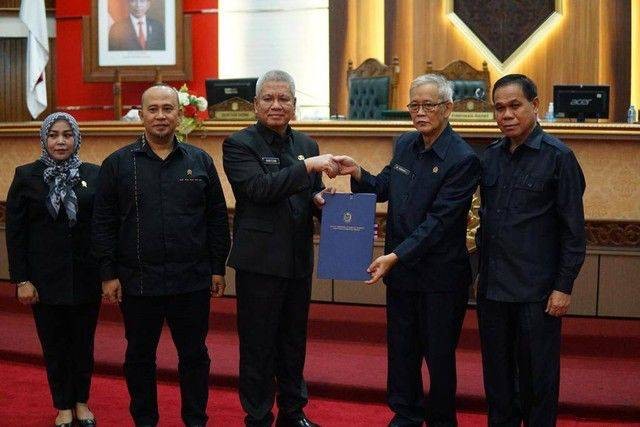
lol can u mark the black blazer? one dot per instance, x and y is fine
(268, 198)
(122, 36)
(56, 258)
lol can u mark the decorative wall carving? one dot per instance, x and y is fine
(614, 234)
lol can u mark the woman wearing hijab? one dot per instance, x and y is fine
(49, 209)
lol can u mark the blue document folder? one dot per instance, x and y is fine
(346, 236)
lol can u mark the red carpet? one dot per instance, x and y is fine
(346, 359)
(24, 387)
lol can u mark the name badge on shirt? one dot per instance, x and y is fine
(271, 160)
(401, 169)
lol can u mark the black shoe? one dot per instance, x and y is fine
(296, 421)
(90, 422)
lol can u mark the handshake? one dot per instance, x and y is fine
(333, 165)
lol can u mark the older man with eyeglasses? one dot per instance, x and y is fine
(429, 184)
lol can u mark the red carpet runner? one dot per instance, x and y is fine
(24, 387)
(346, 367)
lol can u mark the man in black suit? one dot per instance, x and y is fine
(429, 184)
(137, 31)
(276, 177)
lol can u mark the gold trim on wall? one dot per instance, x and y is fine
(606, 132)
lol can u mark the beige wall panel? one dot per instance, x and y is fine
(612, 174)
(611, 168)
(585, 289)
(619, 293)
(360, 292)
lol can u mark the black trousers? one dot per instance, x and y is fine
(187, 316)
(272, 327)
(423, 325)
(66, 334)
(521, 362)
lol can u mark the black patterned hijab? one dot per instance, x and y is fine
(61, 176)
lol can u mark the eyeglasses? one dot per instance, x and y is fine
(270, 100)
(429, 107)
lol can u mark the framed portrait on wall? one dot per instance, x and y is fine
(136, 32)
(138, 39)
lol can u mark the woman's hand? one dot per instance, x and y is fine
(27, 293)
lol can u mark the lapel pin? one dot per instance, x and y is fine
(83, 183)
(435, 169)
(189, 172)
(300, 157)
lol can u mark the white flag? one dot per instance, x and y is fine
(32, 13)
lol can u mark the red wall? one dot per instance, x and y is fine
(71, 90)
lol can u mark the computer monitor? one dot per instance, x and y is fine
(581, 102)
(219, 90)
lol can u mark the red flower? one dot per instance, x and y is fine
(190, 111)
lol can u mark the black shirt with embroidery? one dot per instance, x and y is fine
(160, 226)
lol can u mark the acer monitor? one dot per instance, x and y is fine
(581, 102)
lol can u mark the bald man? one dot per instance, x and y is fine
(161, 235)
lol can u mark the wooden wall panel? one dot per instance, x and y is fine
(13, 103)
(561, 58)
(615, 55)
(585, 289)
(396, 43)
(338, 15)
(356, 32)
(619, 292)
(15, 4)
(590, 45)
